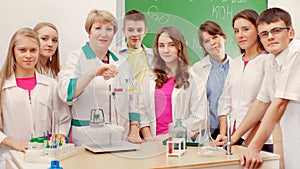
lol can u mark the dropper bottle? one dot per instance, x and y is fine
(55, 165)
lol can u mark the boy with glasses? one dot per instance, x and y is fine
(279, 96)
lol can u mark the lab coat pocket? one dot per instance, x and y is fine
(42, 115)
(44, 110)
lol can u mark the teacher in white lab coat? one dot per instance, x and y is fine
(86, 78)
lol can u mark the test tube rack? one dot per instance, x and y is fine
(46, 151)
(175, 147)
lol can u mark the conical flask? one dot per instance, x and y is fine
(130, 86)
(96, 118)
(206, 146)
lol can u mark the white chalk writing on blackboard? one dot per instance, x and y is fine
(160, 18)
(238, 1)
(222, 12)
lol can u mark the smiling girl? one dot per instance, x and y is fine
(171, 92)
(245, 76)
(27, 98)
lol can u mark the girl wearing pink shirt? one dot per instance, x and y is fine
(27, 98)
(171, 92)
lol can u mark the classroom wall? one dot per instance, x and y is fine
(69, 17)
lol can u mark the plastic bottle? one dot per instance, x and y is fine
(55, 165)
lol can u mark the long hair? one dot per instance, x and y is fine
(54, 62)
(251, 16)
(182, 74)
(9, 65)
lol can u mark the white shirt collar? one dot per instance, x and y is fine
(280, 59)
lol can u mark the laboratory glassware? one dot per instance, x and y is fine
(97, 118)
(206, 146)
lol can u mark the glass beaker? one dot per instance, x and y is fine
(206, 146)
(97, 118)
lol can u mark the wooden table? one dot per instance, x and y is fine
(150, 155)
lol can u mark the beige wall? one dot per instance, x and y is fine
(68, 15)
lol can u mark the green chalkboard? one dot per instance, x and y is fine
(188, 15)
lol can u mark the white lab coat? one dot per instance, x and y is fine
(96, 95)
(282, 81)
(189, 104)
(241, 88)
(23, 117)
(123, 51)
(203, 67)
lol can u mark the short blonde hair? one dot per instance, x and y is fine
(101, 16)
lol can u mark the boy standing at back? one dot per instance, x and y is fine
(279, 97)
(138, 56)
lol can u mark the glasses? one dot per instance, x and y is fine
(274, 32)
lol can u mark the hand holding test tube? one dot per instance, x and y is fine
(107, 71)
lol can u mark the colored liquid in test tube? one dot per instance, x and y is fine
(118, 84)
(130, 87)
(170, 145)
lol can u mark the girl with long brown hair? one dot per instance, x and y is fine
(171, 91)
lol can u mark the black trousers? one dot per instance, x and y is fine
(215, 133)
(266, 147)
